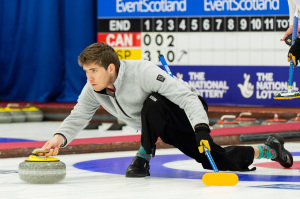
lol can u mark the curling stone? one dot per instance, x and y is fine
(5, 116)
(17, 114)
(33, 114)
(295, 119)
(246, 121)
(42, 170)
(224, 123)
(275, 120)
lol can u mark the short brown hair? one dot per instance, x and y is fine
(101, 54)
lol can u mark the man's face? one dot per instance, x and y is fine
(97, 76)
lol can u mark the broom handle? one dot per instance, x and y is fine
(294, 37)
(167, 69)
(210, 159)
(165, 65)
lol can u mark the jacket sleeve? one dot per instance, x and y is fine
(81, 114)
(292, 10)
(154, 79)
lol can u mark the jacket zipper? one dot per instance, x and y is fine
(114, 96)
(120, 107)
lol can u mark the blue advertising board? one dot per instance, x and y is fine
(172, 8)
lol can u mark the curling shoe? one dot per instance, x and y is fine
(284, 157)
(139, 167)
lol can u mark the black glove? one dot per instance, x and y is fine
(288, 40)
(203, 137)
(294, 52)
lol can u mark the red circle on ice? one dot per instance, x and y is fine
(276, 165)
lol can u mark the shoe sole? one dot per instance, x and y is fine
(134, 175)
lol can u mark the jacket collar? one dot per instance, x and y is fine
(118, 83)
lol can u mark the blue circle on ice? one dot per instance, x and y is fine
(120, 164)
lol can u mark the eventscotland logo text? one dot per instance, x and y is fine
(145, 6)
(241, 5)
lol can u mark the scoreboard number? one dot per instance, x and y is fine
(206, 24)
(194, 24)
(159, 25)
(256, 24)
(218, 24)
(243, 24)
(268, 23)
(183, 25)
(171, 22)
(170, 38)
(159, 40)
(147, 25)
(147, 40)
(231, 24)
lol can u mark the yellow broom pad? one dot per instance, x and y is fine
(220, 179)
(291, 97)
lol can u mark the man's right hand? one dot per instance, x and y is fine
(288, 32)
(53, 145)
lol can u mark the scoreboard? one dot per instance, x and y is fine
(154, 36)
(218, 46)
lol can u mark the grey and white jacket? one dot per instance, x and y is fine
(294, 8)
(136, 80)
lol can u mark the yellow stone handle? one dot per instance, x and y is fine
(40, 150)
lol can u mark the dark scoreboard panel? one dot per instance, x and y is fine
(195, 24)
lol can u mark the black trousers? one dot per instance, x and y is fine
(164, 119)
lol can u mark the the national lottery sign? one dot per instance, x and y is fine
(232, 85)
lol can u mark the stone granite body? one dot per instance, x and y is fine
(34, 116)
(42, 172)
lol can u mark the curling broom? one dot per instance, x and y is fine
(216, 178)
(290, 94)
